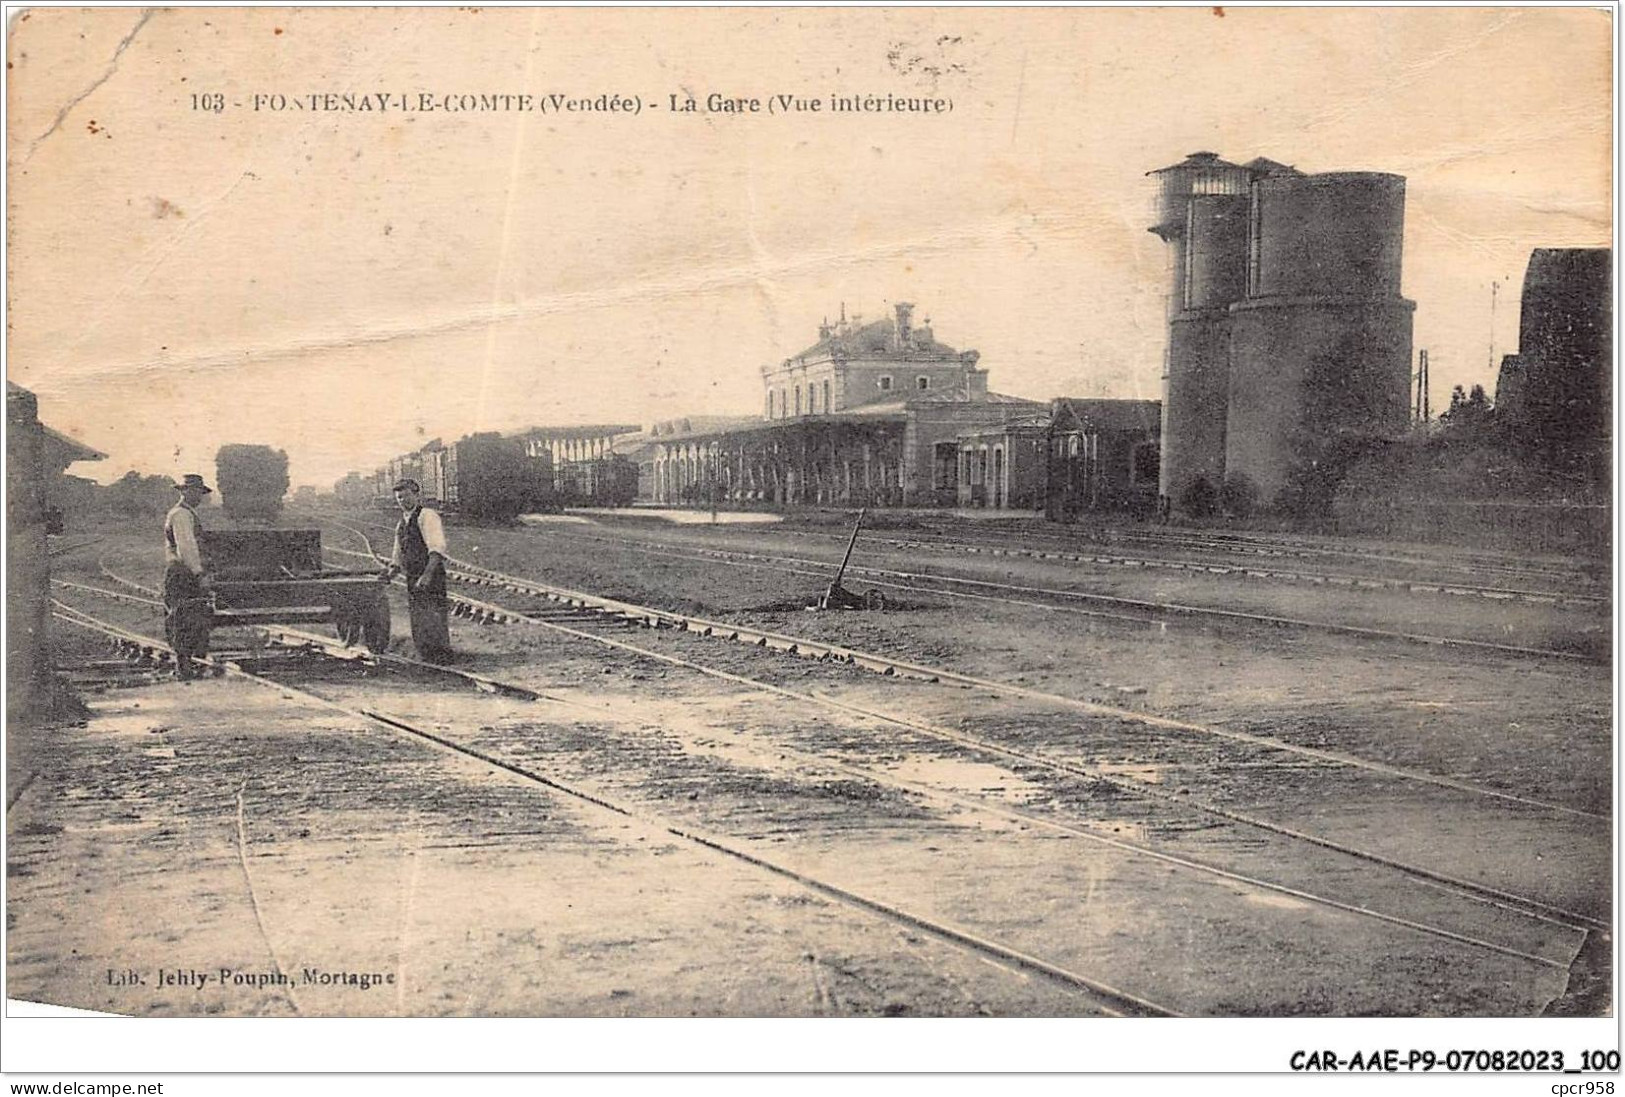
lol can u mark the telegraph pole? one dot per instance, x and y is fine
(1422, 412)
(1495, 289)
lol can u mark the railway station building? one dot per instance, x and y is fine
(1555, 394)
(563, 446)
(869, 415)
(36, 458)
(1102, 455)
(1002, 467)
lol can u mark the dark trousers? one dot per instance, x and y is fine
(430, 634)
(187, 616)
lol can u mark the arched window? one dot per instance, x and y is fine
(770, 403)
(798, 399)
(826, 398)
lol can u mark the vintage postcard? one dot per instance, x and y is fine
(817, 512)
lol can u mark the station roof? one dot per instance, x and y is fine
(875, 339)
(700, 424)
(884, 411)
(1075, 413)
(587, 430)
(63, 451)
(60, 450)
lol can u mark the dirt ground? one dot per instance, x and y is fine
(223, 826)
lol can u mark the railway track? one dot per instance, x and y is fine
(1348, 581)
(1457, 562)
(656, 619)
(1114, 999)
(74, 546)
(1048, 598)
(1463, 561)
(1110, 607)
(289, 638)
(824, 651)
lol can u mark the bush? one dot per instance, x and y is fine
(1199, 499)
(1239, 496)
(133, 494)
(252, 481)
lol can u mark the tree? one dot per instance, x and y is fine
(134, 494)
(1467, 409)
(1313, 483)
(1239, 495)
(1200, 499)
(252, 481)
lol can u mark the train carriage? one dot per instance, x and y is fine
(490, 477)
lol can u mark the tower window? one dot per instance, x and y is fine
(885, 382)
(922, 383)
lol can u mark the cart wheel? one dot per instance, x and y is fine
(347, 623)
(374, 624)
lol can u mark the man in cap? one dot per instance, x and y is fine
(420, 553)
(187, 612)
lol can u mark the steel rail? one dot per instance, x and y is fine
(1450, 559)
(1460, 561)
(1121, 1003)
(991, 807)
(1523, 904)
(1073, 554)
(63, 550)
(1520, 904)
(817, 649)
(980, 804)
(115, 595)
(891, 576)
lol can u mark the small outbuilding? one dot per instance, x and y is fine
(1102, 455)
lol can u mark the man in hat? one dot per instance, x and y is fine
(420, 553)
(187, 613)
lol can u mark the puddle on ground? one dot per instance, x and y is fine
(115, 723)
(112, 828)
(976, 778)
(1275, 899)
(1124, 829)
(1151, 775)
(555, 520)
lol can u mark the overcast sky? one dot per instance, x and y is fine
(347, 286)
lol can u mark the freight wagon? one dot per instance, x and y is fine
(604, 482)
(487, 477)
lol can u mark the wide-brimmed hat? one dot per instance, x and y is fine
(407, 485)
(194, 481)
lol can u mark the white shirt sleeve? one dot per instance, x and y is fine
(434, 537)
(186, 548)
(395, 556)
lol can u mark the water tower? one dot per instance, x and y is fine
(1202, 214)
